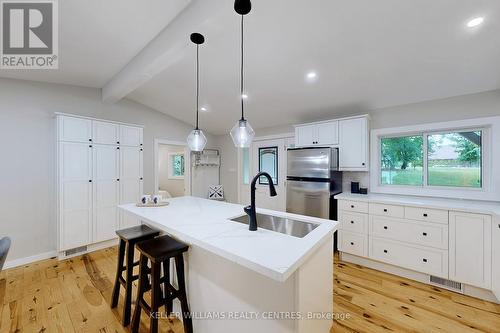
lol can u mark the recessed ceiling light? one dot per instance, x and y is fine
(312, 75)
(244, 96)
(475, 22)
(203, 109)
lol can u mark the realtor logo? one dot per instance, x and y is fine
(29, 34)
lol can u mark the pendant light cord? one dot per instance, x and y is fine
(197, 83)
(241, 95)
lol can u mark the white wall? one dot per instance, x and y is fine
(174, 186)
(27, 168)
(455, 108)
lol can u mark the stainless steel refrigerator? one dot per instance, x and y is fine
(312, 181)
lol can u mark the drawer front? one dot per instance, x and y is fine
(354, 206)
(386, 210)
(424, 214)
(353, 243)
(420, 233)
(355, 222)
(425, 260)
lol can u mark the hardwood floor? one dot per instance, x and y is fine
(73, 296)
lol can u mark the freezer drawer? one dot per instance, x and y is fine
(308, 198)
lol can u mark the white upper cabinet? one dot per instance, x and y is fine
(353, 144)
(105, 133)
(130, 136)
(74, 129)
(323, 133)
(470, 249)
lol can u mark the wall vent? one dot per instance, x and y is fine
(75, 251)
(447, 284)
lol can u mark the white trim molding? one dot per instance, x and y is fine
(28, 260)
(490, 190)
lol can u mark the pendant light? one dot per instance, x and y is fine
(196, 140)
(242, 133)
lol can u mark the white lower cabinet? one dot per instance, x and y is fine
(495, 281)
(470, 249)
(414, 257)
(353, 243)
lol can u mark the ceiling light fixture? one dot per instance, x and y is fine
(203, 109)
(196, 140)
(475, 22)
(242, 133)
(311, 76)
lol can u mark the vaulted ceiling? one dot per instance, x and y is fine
(366, 54)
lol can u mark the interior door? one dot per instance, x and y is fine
(106, 192)
(269, 156)
(130, 180)
(75, 194)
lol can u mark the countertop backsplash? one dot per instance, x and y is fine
(355, 176)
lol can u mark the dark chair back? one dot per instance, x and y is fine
(4, 250)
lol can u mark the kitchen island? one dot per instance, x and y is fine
(244, 281)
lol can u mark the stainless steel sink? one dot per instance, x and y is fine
(280, 224)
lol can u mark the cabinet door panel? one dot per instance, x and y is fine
(74, 129)
(305, 135)
(470, 249)
(104, 132)
(106, 192)
(75, 194)
(353, 152)
(328, 133)
(496, 258)
(130, 136)
(130, 181)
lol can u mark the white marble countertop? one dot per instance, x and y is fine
(205, 223)
(462, 205)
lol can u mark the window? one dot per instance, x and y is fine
(176, 166)
(449, 159)
(268, 162)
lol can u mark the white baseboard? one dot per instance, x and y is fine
(28, 260)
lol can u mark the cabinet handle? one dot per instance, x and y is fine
(424, 260)
(118, 148)
(385, 210)
(425, 214)
(424, 233)
(118, 142)
(352, 206)
(141, 144)
(352, 243)
(385, 227)
(90, 180)
(141, 149)
(90, 140)
(90, 146)
(385, 251)
(118, 180)
(140, 178)
(352, 222)
(363, 163)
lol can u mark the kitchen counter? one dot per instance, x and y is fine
(256, 273)
(461, 205)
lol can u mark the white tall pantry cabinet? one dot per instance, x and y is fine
(100, 165)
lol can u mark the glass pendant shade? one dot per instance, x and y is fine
(196, 140)
(242, 134)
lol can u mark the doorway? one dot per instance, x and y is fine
(172, 172)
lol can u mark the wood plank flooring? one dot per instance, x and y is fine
(73, 296)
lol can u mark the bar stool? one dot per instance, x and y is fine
(128, 239)
(159, 251)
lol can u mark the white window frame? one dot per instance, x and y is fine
(171, 168)
(490, 190)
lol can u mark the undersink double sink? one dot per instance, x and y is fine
(279, 224)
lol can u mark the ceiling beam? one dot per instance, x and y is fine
(163, 51)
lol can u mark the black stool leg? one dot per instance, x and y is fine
(186, 316)
(155, 296)
(143, 277)
(166, 284)
(119, 270)
(128, 285)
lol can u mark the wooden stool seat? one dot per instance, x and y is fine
(159, 251)
(128, 239)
